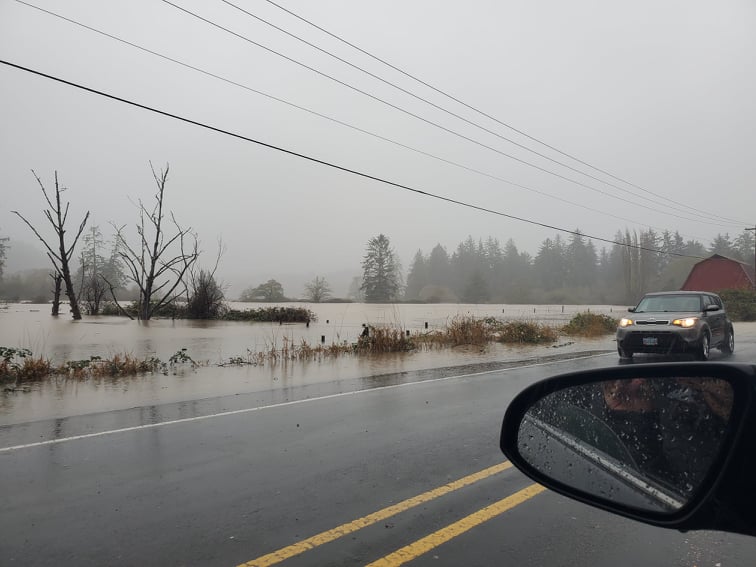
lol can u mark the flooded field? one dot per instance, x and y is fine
(214, 342)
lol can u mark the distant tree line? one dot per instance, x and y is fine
(158, 267)
(565, 270)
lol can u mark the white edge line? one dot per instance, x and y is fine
(279, 405)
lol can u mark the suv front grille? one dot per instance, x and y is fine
(665, 322)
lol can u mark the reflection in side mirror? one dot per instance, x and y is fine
(647, 443)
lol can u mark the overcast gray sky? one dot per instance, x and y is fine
(657, 93)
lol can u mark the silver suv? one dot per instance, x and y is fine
(676, 322)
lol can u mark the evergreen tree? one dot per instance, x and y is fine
(3, 252)
(722, 245)
(550, 264)
(438, 267)
(744, 247)
(381, 279)
(476, 290)
(417, 278)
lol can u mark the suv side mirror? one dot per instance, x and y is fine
(631, 309)
(666, 444)
(712, 308)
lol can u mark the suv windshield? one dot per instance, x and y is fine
(669, 303)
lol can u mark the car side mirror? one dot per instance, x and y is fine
(631, 309)
(650, 442)
(712, 308)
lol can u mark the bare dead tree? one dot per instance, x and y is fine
(57, 282)
(160, 263)
(112, 289)
(57, 215)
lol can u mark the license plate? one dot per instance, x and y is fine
(650, 341)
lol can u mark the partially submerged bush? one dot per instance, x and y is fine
(384, 339)
(206, 299)
(588, 324)
(526, 332)
(467, 330)
(272, 314)
(20, 365)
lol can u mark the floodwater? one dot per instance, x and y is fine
(214, 342)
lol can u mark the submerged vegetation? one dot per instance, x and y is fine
(21, 365)
(271, 314)
(186, 311)
(589, 324)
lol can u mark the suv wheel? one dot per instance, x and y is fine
(624, 353)
(703, 347)
(729, 345)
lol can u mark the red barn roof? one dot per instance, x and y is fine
(719, 272)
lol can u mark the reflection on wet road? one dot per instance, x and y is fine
(223, 489)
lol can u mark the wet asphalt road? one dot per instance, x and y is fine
(182, 485)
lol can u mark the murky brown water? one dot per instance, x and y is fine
(213, 342)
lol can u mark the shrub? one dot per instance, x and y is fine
(385, 339)
(206, 300)
(462, 330)
(588, 324)
(740, 304)
(272, 314)
(528, 332)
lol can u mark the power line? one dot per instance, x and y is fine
(432, 123)
(489, 116)
(335, 120)
(336, 166)
(434, 105)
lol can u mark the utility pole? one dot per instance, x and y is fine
(754, 255)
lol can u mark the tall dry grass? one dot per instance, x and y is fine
(587, 324)
(380, 339)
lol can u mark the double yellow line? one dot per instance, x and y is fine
(421, 546)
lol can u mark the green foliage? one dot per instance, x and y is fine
(381, 278)
(272, 314)
(740, 303)
(20, 364)
(268, 291)
(181, 357)
(588, 324)
(11, 356)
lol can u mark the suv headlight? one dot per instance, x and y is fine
(624, 322)
(686, 323)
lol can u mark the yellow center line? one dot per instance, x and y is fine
(348, 528)
(424, 545)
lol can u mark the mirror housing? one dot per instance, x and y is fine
(631, 309)
(723, 499)
(712, 308)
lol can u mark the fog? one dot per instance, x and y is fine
(658, 94)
